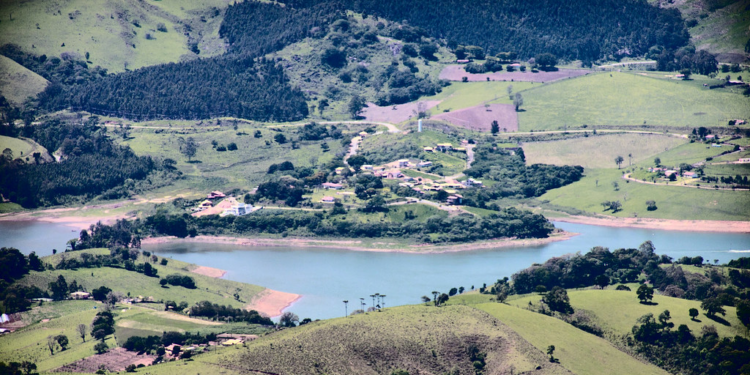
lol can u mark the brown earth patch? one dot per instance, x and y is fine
(395, 113)
(272, 302)
(209, 271)
(457, 72)
(481, 117)
(114, 360)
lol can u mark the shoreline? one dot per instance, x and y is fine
(713, 226)
(355, 245)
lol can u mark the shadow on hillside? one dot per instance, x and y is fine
(195, 162)
(719, 320)
(649, 303)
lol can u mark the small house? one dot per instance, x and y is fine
(454, 199)
(328, 199)
(363, 134)
(333, 186)
(463, 61)
(442, 147)
(403, 163)
(710, 136)
(428, 149)
(394, 174)
(424, 164)
(80, 295)
(339, 170)
(471, 182)
(239, 209)
(215, 194)
(744, 160)
(669, 172)
(367, 167)
(689, 174)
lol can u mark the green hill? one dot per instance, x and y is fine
(18, 83)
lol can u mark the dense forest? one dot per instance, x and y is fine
(90, 164)
(513, 178)
(585, 30)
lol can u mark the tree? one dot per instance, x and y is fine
(82, 331)
(685, 74)
(355, 106)
(279, 138)
(602, 281)
(322, 105)
(100, 293)
(664, 320)
(743, 313)
(51, 344)
(59, 288)
(546, 60)
(190, 148)
(356, 162)
(618, 161)
(494, 127)
(645, 294)
(453, 292)
(651, 205)
(518, 101)
(510, 91)
(258, 134)
(557, 300)
(657, 162)
(101, 347)
(693, 313)
(443, 298)
(550, 352)
(62, 340)
(712, 306)
(288, 319)
(29, 368)
(376, 204)
(425, 299)
(334, 57)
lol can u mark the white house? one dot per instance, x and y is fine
(238, 209)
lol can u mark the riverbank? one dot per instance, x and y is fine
(718, 226)
(357, 245)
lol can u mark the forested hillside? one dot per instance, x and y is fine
(585, 30)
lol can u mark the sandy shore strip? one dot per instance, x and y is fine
(271, 303)
(356, 245)
(661, 224)
(209, 271)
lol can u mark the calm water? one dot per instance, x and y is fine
(326, 277)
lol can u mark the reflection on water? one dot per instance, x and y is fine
(325, 277)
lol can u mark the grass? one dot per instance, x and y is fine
(723, 31)
(387, 144)
(578, 351)
(10, 207)
(672, 202)
(423, 212)
(18, 83)
(408, 337)
(727, 170)
(20, 147)
(627, 99)
(618, 311)
(461, 95)
(601, 150)
(688, 153)
(106, 30)
(128, 282)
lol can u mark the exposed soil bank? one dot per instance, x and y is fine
(272, 302)
(662, 224)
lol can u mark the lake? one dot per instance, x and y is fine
(326, 277)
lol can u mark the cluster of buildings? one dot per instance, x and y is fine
(669, 172)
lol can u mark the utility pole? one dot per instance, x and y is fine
(346, 310)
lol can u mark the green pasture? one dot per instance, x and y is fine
(20, 147)
(618, 310)
(673, 202)
(740, 142)
(727, 170)
(112, 32)
(600, 151)
(578, 351)
(628, 99)
(18, 83)
(689, 153)
(461, 95)
(735, 156)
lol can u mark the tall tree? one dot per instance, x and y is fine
(518, 101)
(495, 127)
(190, 148)
(618, 161)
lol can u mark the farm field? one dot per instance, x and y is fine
(20, 147)
(18, 83)
(457, 72)
(113, 33)
(219, 291)
(578, 351)
(459, 95)
(396, 113)
(600, 151)
(688, 153)
(627, 99)
(673, 202)
(480, 118)
(618, 310)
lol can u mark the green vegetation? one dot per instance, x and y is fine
(600, 151)
(18, 83)
(627, 99)
(461, 95)
(20, 147)
(113, 35)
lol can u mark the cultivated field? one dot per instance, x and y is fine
(480, 117)
(20, 148)
(115, 360)
(457, 72)
(18, 83)
(112, 32)
(618, 310)
(395, 113)
(628, 99)
(600, 151)
(461, 95)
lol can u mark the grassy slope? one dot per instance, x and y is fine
(452, 164)
(672, 202)
(599, 151)
(627, 99)
(20, 147)
(618, 310)
(18, 83)
(414, 338)
(461, 95)
(100, 30)
(209, 289)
